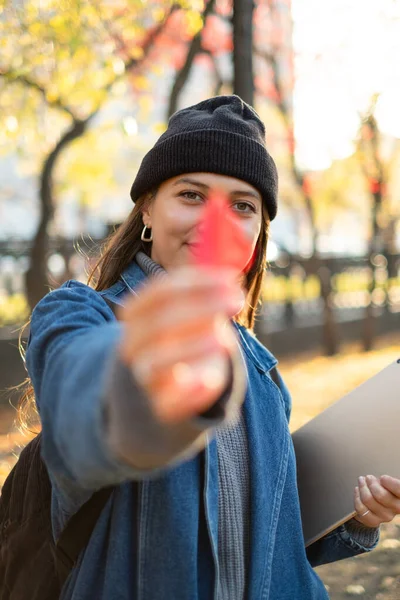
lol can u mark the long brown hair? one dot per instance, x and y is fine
(118, 252)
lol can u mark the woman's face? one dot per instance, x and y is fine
(176, 211)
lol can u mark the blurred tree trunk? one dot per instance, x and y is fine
(330, 338)
(243, 85)
(376, 247)
(242, 21)
(36, 278)
(376, 176)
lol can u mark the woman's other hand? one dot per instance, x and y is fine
(376, 500)
(177, 340)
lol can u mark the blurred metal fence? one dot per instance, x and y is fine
(292, 314)
(292, 290)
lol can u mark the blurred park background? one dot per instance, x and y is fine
(87, 86)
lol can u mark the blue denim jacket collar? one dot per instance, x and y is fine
(259, 355)
(133, 276)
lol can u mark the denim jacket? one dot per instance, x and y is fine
(156, 539)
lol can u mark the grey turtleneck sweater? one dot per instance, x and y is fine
(152, 446)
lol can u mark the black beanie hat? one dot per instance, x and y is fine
(222, 135)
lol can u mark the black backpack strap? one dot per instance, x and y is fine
(275, 377)
(75, 536)
(111, 304)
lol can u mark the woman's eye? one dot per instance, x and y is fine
(191, 195)
(244, 207)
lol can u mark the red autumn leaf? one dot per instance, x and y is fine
(374, 186)
(221, 242)
(291, 141)
(266, 87)
(204, 61)
(307, 188)
(216, 36)
(224, 7)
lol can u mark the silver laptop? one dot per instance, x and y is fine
(358, 435)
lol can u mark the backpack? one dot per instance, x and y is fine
(32, 565)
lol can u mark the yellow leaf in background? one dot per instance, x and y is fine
(52, 94)
(194, 22)
(142, 83)
(145, 106)
(159, 128)
(14, 309)
(58, 21)
(83, 55)
(158, 70)
(62, 54)
(98, 79)
(136, 53)
(312, 287)
(89, 15)
(158, 13)
(195, 5)
(131, 30)
(36, 29)
(96, 97)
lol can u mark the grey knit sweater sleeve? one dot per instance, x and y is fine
(367, 537)
(134, 433)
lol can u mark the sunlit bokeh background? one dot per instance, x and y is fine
(87, 86)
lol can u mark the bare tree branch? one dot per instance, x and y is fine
(151, 38)
(182, 75)
(219, 82)
(133, 63)
(28, 82)
(130, 65)
(284, 110)
(121, 44)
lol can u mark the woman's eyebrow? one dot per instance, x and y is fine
(206, 187)
(191, 182)
(246, 193)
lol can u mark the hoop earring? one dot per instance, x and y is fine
(143, 236)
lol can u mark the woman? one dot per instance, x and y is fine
(173, 403)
